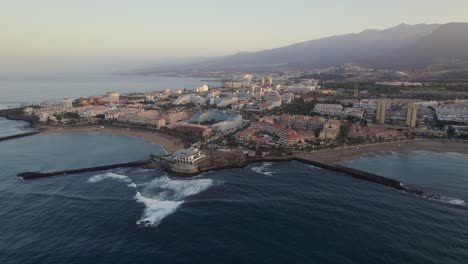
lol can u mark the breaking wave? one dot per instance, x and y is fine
(263, 169)
(449, 200)
(161, 196)
(114, 176)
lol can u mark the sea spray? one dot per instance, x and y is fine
(114, 176)
(263, 169)
(161, 196)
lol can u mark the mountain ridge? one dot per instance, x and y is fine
(401, 47)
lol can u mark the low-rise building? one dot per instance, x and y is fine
(300, 122)
(331, 129)
(329, 109)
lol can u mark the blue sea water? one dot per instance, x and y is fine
(10, 127)
(14, 92)
(265, 213)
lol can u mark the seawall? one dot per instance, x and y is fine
(19, 136)
(37, 175)
(357, 174)
(7, 115)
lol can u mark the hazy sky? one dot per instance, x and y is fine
(46, 33)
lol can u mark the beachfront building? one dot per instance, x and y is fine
(188, 156)
(285, 136)
(358, 132)
(300, 122)
(174, 116)
(186, 160)
(331, 129)
(381, 111)
(412, 115)
(148, 118)
(202, 131)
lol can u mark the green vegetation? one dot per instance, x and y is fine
(67, 115)
(451, 132)
(231, 142)
(298, 107)
(343, 133)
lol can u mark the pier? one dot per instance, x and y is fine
(355, 173)
(7, 115)
(19, 136)
(37, 175)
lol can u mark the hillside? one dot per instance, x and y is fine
(401, 47)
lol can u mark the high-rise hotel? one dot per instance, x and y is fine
(381, 110)
(412, 115)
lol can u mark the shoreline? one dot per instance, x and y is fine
(342, 155)
(167, 142)
(339, 155)
(335, 157)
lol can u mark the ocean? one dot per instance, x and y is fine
(265, 213)
(10, 127)
(14, 92)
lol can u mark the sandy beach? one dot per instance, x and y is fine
(343, 154)
(336, 155)
(169, 143)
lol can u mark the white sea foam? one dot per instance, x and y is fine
(454, 201)
(156, 210)
(448, 200)
(263, 169)
(114, 176)
(163, 196)
(457, 202)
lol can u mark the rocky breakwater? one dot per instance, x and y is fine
(233, 160)
(17, 115)
(37, 175)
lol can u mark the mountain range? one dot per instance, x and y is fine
(402, 47)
